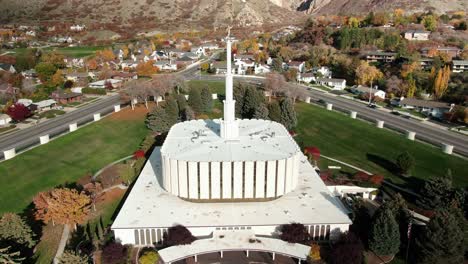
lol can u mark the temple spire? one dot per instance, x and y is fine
(229, 126)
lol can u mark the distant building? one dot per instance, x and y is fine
(220, 66)
(366, 90)
(417, 35)
(7, 67)
(43, 105)
(102, 84)
(335, 84)
(63, 97)
(298, 65)
(4, 120)
(307, 77)
(426, 107)
(459, 65)
(452, 51)
(380, 56)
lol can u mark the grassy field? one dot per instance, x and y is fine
(69, 157)
(363, 145)
(77, 52)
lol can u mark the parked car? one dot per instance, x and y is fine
(372, 105)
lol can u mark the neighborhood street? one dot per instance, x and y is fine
(30, 136)
(424, 132)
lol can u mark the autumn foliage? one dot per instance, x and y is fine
(146, 69)
(18, 112)
(139, 154)
(62, 206)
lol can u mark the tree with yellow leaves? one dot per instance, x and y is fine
(411, 88)
(353, 22)
(125, 51)
(62, 206)
(366, 74)
(440, 83)
(314, 254)
(105, 55)
(57, 78)
(146, 69)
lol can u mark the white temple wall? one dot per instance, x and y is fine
(271, 178)
(193, 180)
(280, 177)
(183, 176)
(149, 236)
(238, 176)
(227, 191)
(174, 177)
(215, 180)
(249, 179)
(260, 180)
(204, 180)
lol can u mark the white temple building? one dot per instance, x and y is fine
(238, 178)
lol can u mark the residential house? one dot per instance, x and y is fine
(184, 61)
(298, 65)
(191, 55)
(200, 51)
(78, 28)
(26, 102)
(7, 67)
(165, 65)
(417, 35)
(63, 97)
(306, 77)
(77, 76)
(451, 51)
(8, 89)
(244, 63)
(29, 74)
(128, 65)
(322, 71)
(102, 84)
(43, 105)
(426, 63)
(380, 56)
(220, 66)
(124, 76)
(359, 89)
(335, 84)
(175, 53)
(429, 108)
(459, 65)
(261, 69)
(4, 120)
(210, 46)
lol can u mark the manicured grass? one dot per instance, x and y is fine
(51, 114)
(48, 245)
(69, 158)
(78, 52)
(362, 144)
(215, 86)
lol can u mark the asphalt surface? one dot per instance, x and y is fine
(27, 137)
(30, 136)
(424, 132)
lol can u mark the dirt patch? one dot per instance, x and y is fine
(127, 113)
(110, 177)
(374, 259)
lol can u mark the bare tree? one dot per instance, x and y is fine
(295, 92)
(274, 84)
(131, 89)
(28, 86)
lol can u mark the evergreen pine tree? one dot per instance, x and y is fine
(438, 193)
(158, 121)
(404, 163)
(188, 114)
(239, 96)
(274, 111)
(442, 241)
(288, 113)
(14, 228)
(195, 100)
(251, 102)
(70, 257)
(261, 112)
(384, 237)
(206, 100)
(172, 110)
(181, 102)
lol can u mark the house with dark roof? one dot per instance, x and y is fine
(427, 107)
(459, 65)
(380, 56)
(7, 67)
(63, 97)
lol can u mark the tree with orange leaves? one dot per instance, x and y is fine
(440, 83)
(105, 55)
(62, 206)
(92, 64)
(146, 69)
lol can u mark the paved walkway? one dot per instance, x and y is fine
(62, 244)
(109, 165)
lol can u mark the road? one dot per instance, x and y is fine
(424, 132)
(30, 136)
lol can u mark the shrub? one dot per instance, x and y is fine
(149, 257)
(376, 179)
(347, 250)
(139, 154)
(404, 163)
(18, 112)
(361, 176)
(94, 91)
(113, 253)
(178, 235)
(294, 233)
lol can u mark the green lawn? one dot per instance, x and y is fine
(51, 114)
(77, 52)
(363, 145)
(215, 86)
(67, 159)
